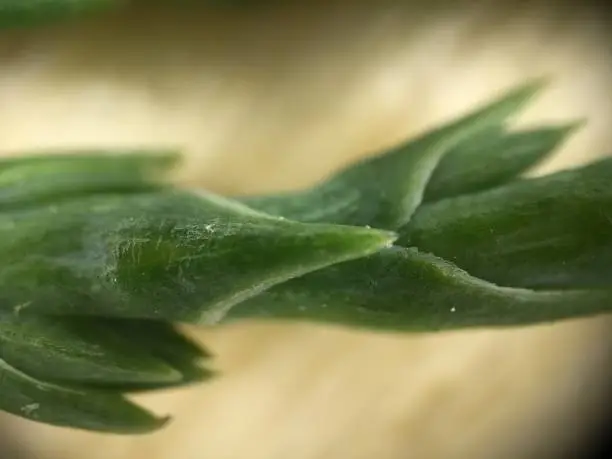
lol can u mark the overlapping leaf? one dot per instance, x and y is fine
(164, 342)
(99, 255)
(41, 401)
(103, 236)
(548, 232)
(556, 237)
(493, 158)
(48, 362)
(404, 289)
(161, 255)
(384, 191)
(78, 350)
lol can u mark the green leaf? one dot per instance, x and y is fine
(404, 289)
(39, 401)
(99, 255)
(384, 191)
(548, 232)
(18, 13)
(36, 180)
(166, 343)
(162, 255)
(82, 350)
(492, 159)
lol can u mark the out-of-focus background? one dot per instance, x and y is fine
(274, 97)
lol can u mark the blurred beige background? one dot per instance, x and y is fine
(275, 98)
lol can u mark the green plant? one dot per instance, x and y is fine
(102, 256)
(27, 13)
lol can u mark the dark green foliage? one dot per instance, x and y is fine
(101, 256)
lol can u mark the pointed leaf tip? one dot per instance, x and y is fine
(298, 249)
(78, 349)
(166, 255)
(163, 341)
(61, 406)
(384, 191)
(494, 158)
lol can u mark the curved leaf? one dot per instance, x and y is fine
(404, 289)
(384, 191)
(163, 255)
(492, 159)
(30, 398)
(164, 342)
(80, 350)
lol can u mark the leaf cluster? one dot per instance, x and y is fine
(102, 256)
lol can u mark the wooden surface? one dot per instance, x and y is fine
(277, 99)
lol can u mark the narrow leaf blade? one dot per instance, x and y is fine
(32, 399)
(37, 180)
(384, 191)
(494, 159)
(165, 342)
(79, 350)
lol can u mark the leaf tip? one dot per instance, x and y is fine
(366, 240)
